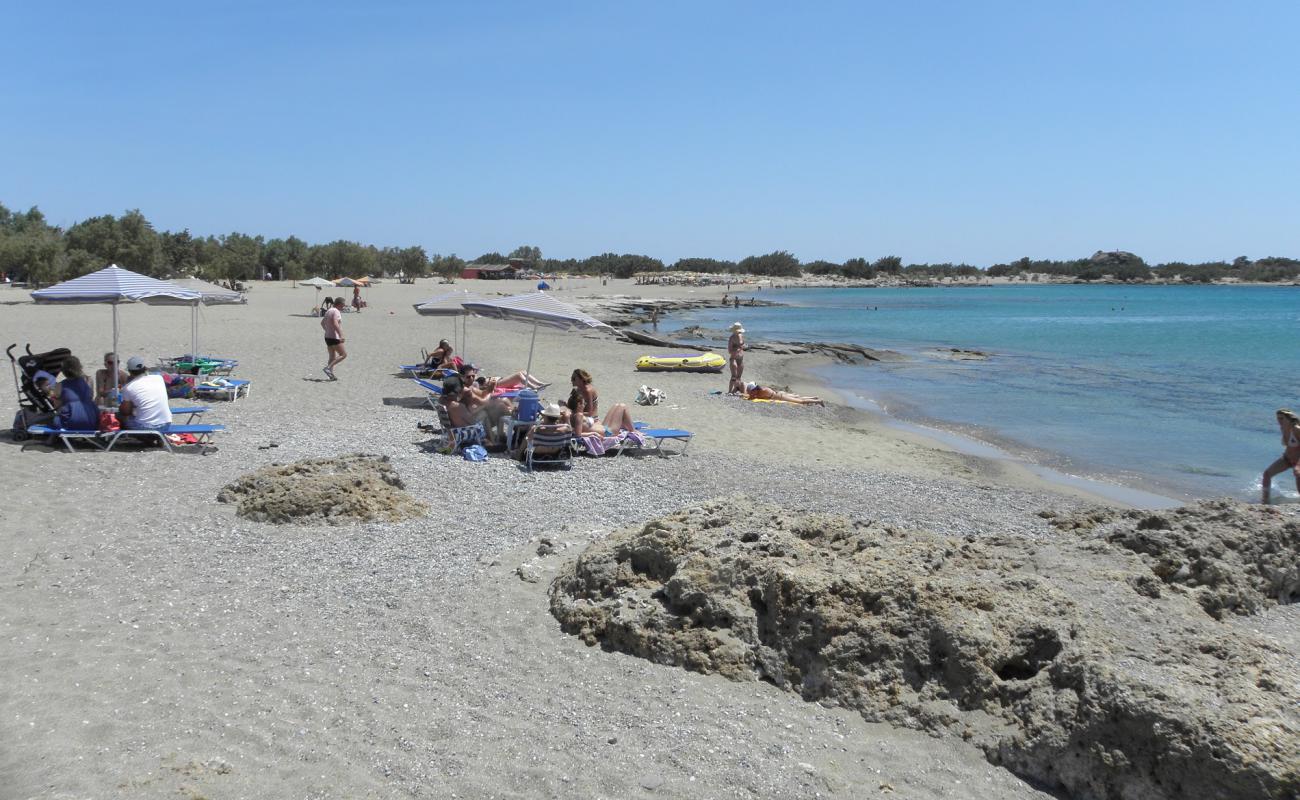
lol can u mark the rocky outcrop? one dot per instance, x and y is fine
(1054, 656)
(1231, 558)
(351, 488)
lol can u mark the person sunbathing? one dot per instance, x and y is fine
(469, 373)
(755, 392)
(440, 357)
(584, 406)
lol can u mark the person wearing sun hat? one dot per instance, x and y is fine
(736, 359)
(551, 422)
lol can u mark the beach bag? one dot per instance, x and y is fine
(474, 452)
(108, 422)
(650, 396)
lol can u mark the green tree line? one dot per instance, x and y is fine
(34, 251)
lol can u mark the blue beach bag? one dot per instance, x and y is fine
(474, 452)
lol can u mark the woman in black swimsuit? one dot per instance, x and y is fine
(1290, 460)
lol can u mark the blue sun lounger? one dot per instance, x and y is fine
(224, 388)
(106, 440)
(660, 435)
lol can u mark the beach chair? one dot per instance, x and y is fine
(454, 439)
(189, 412)
(661, 435)
(223, 389)
(434, 392)
(203, 433)
(67, 437)
(555, 449)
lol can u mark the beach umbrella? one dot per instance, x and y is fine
(346, 282)
(450, 304)
(539, 309)
(210, 294)
(114, 285)
(319, 283)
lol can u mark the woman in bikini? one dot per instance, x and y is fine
(583, 408)
(736, 358)
(1290, 460)
(755, 392)
(441, 357)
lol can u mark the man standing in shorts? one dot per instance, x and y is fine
(332, 323)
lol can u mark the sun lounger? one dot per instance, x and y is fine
(67, 437)
(203, 365)
(434, 390)
(189, 412)
(106, 440)
(660, 435)
(224, 389)
(203, 433)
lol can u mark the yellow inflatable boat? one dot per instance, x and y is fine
(686, 362)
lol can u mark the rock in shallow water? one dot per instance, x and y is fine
(1055, 657)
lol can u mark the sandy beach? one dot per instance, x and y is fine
(159, 645)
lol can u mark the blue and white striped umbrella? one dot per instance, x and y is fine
(114, 285)
(450, 304)
(539, 309)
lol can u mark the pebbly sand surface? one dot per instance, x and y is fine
(157, 645)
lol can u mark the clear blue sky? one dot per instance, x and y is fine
(951, 131)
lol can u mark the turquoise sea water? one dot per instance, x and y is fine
(1170, 387)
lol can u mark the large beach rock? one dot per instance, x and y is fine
(1069, 660)
(350, 488)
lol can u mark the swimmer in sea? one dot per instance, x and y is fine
(1290, 460)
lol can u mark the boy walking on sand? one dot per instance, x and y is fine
(332, 324)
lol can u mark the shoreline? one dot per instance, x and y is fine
(799, 371)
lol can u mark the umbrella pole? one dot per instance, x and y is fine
(529, 370)
(117, 368)
(194, 331)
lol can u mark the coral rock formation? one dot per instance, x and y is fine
(351, 488)
(1062, 658)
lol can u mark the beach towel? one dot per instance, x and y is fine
(474, 452)
(597, 445)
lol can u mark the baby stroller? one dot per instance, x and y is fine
(31, 403)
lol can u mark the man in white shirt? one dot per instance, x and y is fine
(144, 399)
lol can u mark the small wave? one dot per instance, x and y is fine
(1191, 470)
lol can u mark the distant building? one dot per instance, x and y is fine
(488, 272)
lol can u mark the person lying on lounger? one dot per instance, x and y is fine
(469, 373)
(755, 392)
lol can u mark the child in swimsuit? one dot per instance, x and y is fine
(1290, 460)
